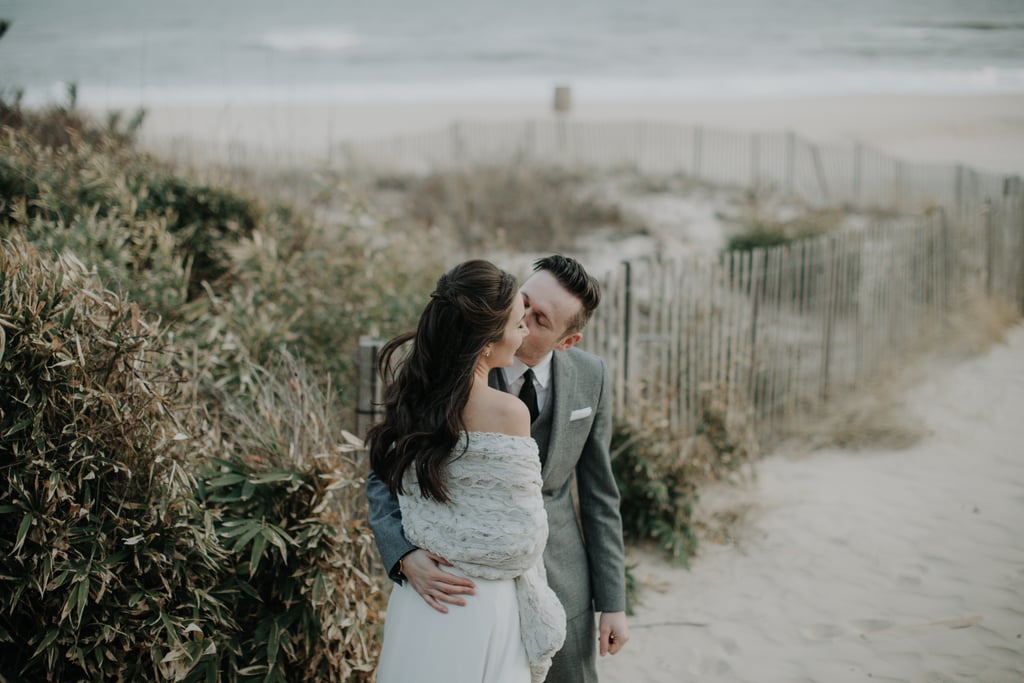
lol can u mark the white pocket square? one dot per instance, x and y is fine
(580, 413)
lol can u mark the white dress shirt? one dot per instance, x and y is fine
(541, 378)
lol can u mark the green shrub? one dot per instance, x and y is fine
(146, 537)
(760, 237)
(657, 490)
(104, 553)
(286, 499)
(660, 473)
(96, 174)
(204, 219)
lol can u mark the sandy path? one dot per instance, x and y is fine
(862, 566)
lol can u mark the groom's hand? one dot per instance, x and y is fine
(613, 632)
(435, 586)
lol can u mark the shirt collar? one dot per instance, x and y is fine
(541, 371)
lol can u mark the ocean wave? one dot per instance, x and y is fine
(970, 25)
(722, 85)
(310, 40)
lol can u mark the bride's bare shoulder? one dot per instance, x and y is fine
(496, 411)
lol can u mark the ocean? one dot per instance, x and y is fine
(151, 52)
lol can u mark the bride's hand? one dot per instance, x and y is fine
(423, 571)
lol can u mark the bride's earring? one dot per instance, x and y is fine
(488, 354)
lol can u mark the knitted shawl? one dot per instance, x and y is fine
(494, 527)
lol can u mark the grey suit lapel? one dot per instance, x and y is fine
(563, 383)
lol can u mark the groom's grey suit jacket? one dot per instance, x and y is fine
(584, 557)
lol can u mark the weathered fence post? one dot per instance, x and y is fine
(529, 140)
(755, 161)
(830, 315)
(790, 162)
(698, 143)
(989, 246)
(1019, 197)
(819, 169)
(458, 146)
(858, 164)
(958, 193)
(897, 186)
(947, 264)
(370, 387)
(627, 320)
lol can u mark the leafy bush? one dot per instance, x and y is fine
(724, 439)
(763, 223)
(232, 279)
(760, 237)
(659, 473)
(100, 177)
(657, 490)
(145, 537)
(299, 584)
(103, 546)
(140, 563)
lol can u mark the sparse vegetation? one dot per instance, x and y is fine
(179, 500)
(762, 223)
(492, 207)
(660, 474)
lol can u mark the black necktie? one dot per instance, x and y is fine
(528, 394)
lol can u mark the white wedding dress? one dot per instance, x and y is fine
(493, 530)
(478, 643)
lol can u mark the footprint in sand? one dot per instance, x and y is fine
(907, 581)
(939, 677)
(710, 667)
(904, 630)
(866, 626)
(823, 632)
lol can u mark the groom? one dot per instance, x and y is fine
(568, 393)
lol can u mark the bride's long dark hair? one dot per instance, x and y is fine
(427, 389)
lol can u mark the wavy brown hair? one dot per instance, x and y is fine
(427, 389)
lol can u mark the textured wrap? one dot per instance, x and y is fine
(494, 527)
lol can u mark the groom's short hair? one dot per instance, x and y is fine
(577, 281)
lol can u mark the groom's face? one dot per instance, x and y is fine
(550, 309)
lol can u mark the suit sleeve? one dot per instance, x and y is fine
(599, 509)
(386, 522)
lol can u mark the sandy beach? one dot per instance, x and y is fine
(860, 566)
(983, 131)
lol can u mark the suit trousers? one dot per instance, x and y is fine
(576, 662)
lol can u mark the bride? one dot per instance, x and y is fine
(460, 458)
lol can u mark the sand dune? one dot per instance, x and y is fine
(861, 566)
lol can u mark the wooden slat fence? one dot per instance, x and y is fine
(820, 175)
(778, 332)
